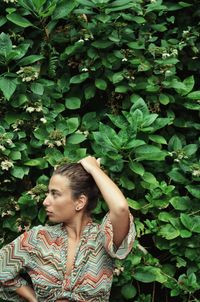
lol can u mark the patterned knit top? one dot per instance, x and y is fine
(42, 252)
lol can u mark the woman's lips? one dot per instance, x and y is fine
(49, 213)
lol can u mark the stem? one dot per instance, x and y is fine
(153, 295)
(194, 213)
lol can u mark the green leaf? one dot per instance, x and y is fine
(72, 103)
(181, 203)
(126, 183)
(38, 4)
(189, 83)
(177, 176)
(79, 78)
(10, 223)
(19, 20)
(71, 125)
(86, 3)
(102, 44)
(175, 143)
(5, 44)
(53, 156)
(190, 149)
(21, 50)
(30, 60)
(2, 20)
(26, 201)
(137, 168)
(128, 291)
(42, 215)
(195, 95)
(37, 162)
(90, 121)
(164, 99)
(133, 143)
(19, 172)
(15, 155)
(168, 232)
(37, 88)
(148, 274)
(8, 86)
(63, 9)
(194, 190)
(117, 77)
(133, 204)
(76, 138)
(136, 45)
(150, 178)
(157, 139)
(121, 89)
(148, 152)
(89, 92)
(101, 84)
(192, 223)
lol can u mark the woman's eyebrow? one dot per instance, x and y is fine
(54, 190)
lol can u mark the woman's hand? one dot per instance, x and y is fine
(90, 163)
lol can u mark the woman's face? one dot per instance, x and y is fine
(59, 204)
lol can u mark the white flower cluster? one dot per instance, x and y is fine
(58, 143)
(16, 125)
(7, 213)
(118, 270)
(173, 53)
(37, 107)
(10, 1)
(84, 69)
(28, 73)
(196, 173)
(32, 109)
(4, 140)
(43, 120)
(2, 148)
(6, 164)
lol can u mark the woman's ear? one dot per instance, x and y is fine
(81, 202)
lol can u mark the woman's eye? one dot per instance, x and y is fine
(55, 194)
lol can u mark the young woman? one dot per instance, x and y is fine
(71, 260)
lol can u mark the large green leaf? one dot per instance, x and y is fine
(72, 103)
(192, 223)
(79, 78)
(19, 20)
(194, 190)
(30, 60)
(63, 9)
(148, 274)
(137, 168)
(128, 291)
(8, 86)
(148, 152)
(101, 84)
(5, 44)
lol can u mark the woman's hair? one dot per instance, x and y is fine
(81, 182)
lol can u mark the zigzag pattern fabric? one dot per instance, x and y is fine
(42, 252)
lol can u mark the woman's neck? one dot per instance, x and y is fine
(75, 227)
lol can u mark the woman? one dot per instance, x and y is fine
(71, 260)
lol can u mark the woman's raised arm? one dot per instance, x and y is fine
(117, 204)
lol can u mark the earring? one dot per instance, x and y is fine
(77, 209)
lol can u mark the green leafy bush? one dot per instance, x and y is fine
(118, 79)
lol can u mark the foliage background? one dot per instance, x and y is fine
(118, 79)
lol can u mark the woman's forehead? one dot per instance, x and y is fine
(59, 181)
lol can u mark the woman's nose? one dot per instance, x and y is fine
(46, 201)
